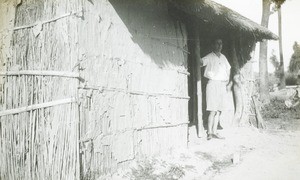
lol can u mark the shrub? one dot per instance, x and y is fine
(277, 109)
(291, 79)
(273, 109)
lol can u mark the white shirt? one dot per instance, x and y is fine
(217, 68)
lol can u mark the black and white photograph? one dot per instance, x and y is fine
(149, 90)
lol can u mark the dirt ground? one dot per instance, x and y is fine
(246, 153)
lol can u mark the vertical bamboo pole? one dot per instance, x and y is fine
(198, 102)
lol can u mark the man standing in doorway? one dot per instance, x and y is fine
(218, 72)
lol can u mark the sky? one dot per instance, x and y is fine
(290, 11)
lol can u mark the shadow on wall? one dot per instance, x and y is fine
(153, 30)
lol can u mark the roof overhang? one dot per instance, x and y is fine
(220, 15)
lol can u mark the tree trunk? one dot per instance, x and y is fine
(263, 51)
(237, 91)
(281, 65)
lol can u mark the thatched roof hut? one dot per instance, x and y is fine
(210, 11)
(90, 86)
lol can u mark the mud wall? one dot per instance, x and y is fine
(134, 98)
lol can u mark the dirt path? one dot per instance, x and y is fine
(276, 155)
(273, 154)
(269, 154)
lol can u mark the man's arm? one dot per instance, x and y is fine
(202, 61)
(229, 83)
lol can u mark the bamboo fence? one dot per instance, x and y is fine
(39, 122)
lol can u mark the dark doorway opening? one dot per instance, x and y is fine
(207, 33)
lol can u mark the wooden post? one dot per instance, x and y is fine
(259, 118)
(235, 61)
(198, 103)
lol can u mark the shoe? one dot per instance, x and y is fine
(217, 136)
(209, 136)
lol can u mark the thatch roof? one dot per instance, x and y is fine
(213, 12)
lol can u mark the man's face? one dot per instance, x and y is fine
(218, 45)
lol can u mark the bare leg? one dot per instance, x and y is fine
(215, 126)
(216, 122)
(211, 118)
